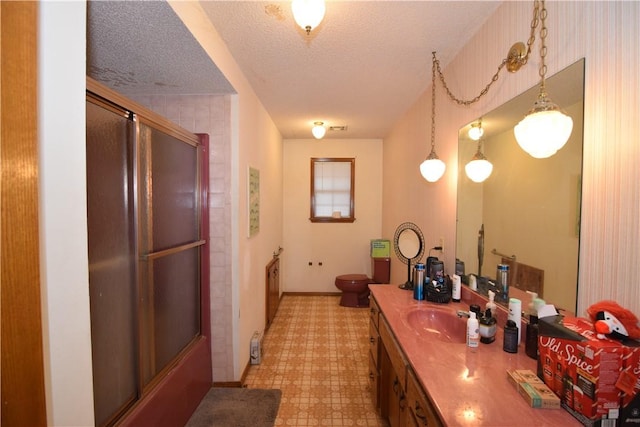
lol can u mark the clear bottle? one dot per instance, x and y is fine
(502, 281)
(473, 331)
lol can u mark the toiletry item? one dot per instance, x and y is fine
(488, 327)
(459, 267)
(515, 314)
(455, 293)
(473, 282)
(510, 344)
(475, 308)
(418, 281)
(437, 271)
(491, 305)
(531, 337)
(473, 331)
(502, 281)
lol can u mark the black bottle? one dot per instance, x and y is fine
(531, 343)
(510, 344)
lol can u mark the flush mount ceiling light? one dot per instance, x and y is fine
(318, 130)
(545, 129)
(308, 13)
(433, 168)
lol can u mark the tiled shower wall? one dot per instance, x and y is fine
(210, 114)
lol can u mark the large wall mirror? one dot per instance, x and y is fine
(528, 209)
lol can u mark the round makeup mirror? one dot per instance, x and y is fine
(408, 242)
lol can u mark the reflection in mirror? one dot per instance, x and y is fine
(408, 242)
(528, 208)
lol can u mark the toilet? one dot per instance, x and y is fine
(355, 287)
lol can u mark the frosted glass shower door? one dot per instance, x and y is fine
(112, 262)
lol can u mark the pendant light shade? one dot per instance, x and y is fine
(432, 168)
(318, 130)
(544, 130)
(478, 170)
(308, 13)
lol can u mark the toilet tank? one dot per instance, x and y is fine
(381, 270)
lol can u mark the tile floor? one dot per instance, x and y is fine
(316, 352)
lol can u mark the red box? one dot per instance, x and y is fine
(581, 368)
(629, 381)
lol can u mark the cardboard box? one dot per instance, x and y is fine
(581, 369)
(380, 248)
(533, 389)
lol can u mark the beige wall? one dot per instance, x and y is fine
(342, 248)
(606, 34)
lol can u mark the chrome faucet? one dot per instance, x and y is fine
(462, 313)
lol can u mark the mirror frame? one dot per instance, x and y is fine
(406, 260)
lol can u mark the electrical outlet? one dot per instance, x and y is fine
(441, 244)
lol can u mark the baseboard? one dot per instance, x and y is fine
(313, 294)
(228, 384)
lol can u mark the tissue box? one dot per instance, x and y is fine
(380, 248)
(581, 369)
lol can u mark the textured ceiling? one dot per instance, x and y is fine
(363, 67)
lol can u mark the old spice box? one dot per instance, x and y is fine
(581, 369)
(629, 383)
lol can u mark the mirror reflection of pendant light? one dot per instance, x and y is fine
(433, 168)
(476, 131)
(479, 168)
(318, 130)
(308, 13)
(545, 129)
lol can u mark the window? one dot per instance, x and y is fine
(332, 189)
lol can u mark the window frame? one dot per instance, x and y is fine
(330, 219)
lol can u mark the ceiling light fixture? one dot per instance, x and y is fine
(308, 13)
(433, 168)
(318, 130)
(546, 128)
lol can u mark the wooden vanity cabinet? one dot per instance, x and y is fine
(396, 392)
(393, 378)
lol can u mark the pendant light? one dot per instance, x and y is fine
(479, 168)
(308, 13)
(433, 168)
(545, 129)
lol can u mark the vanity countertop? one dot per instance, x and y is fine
(467, 388)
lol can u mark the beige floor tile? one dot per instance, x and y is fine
(316, 352)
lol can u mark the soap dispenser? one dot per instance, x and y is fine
(488, 327)
(491, 305)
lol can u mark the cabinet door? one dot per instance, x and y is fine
(420, 409)
(374, 383)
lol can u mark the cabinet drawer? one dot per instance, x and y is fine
(374, 342)
(374, 311)
(420, 407)
(396, 357)
(374, 382)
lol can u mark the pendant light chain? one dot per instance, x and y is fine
(433, 101)
(537, 17)
(543, 47)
